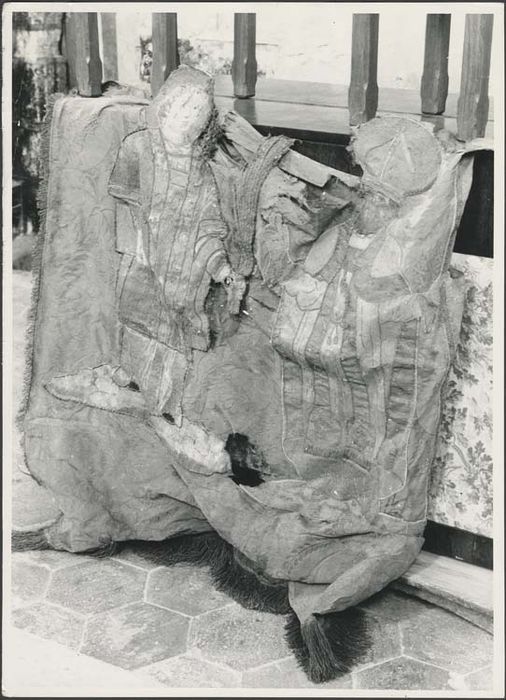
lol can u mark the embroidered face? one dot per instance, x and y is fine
(376, 212)
(184, 114)
(398, 155)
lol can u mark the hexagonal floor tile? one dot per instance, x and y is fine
(185, 589)
(28, 582)
(480, 680)
(439, 637)
(287, 674)
(52, 559)
(394, 605)
(135, 558)
(385, 639)
(189, 672)
(240, 638)
(50, 622)
(96, 585)
(136, 635)
(402, 674)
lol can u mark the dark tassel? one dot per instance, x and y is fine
(29, 540)
(295, 640)
(246, 586)
(328, 646)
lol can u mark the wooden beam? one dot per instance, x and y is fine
(363, 90)
(473, 104)
(434, 87)
(165, 50)
(82, 52)
(109, 45)
(244, 64)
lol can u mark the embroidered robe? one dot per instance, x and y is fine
(170, 233)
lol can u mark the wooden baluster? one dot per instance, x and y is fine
(82, 52)
(434, 87)
(244, 65)
(363, 90)
(165, 51)
(472, 109)
(109, 45)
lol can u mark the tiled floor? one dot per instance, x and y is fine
(171, 625)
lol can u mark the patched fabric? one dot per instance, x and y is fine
(344, 325)
(182, 233)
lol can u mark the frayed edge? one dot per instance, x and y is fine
(37, 251)
(241, 583)
(37, 540)
(295, 640)
(248, 588)
(29, 540)
(183, 549)
(328, 646)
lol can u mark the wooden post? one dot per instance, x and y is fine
(472, 109)
(363, 90)
(82, 52)
(165, 51)
(434, 88)
(244, 65)
(109, 45)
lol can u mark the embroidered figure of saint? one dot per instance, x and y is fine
(170, 234)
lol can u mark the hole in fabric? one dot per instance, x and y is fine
(247, 463)
(133, 386)
(169, 418)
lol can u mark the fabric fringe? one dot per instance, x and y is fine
(185, 549)
(247, 587)
(36, 540)
(328, 646)
(38, 246)
(229, 574)
(29, 540)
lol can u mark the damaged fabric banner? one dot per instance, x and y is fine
(237, 354)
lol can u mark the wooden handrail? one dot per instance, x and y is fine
(85, 65)
(244, 64)
(165, 50)
(82, 52)
(109, 45)
(472, 110)
(434, 87)
(363, 91)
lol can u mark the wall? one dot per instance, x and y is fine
(305, 41)
(461, 490)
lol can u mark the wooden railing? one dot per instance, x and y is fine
(87, 70)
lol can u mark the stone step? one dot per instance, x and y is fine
(461, 588)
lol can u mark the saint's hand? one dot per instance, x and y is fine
(235, 284)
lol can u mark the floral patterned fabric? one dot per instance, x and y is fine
(461, 489)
